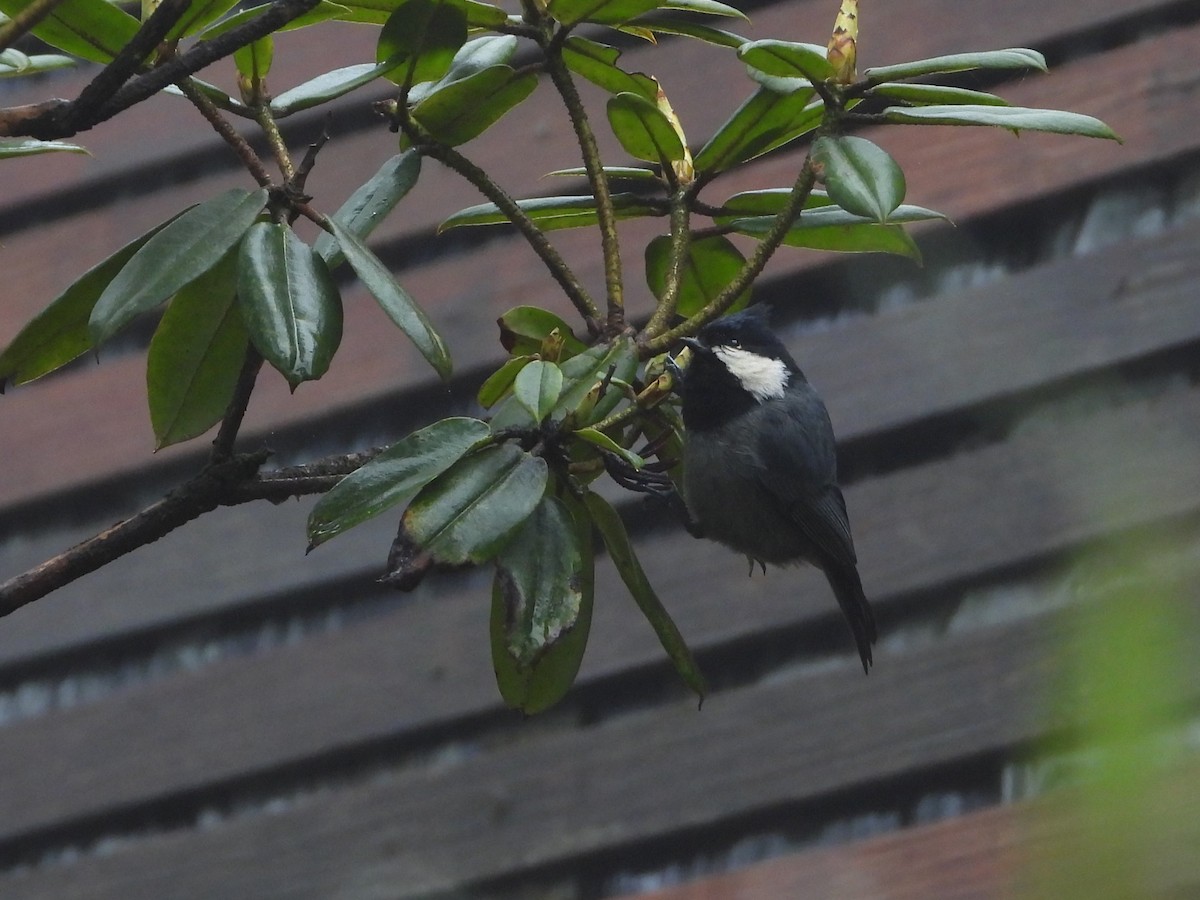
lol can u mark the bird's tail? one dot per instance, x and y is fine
(850, 597)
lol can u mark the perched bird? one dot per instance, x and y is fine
(760, 464)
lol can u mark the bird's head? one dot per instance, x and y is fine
(738, 355)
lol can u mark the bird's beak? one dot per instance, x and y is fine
(694, 343)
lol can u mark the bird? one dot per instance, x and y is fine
(760, 461)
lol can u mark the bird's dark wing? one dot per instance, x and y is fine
(799, 471)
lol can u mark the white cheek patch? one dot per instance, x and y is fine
(762, 376)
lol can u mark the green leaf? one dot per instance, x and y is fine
(196, 356)
(59, 333)
(598, 64)
(587, 370)
(644, 130)
(603, 441)
(421, 38)
(254, 60)
(765, 121)
(785, 59)
(835, 229)
(326, 87)
(603, 12)
(523, 330)
(13, 147)
(537, 387)
(322, 12)
(629, 173)
(667, 22)
(395, 301)
(765, 202)
(376, 12)
(860, 176)
(371, 202)
(706, 7)
(464, 109)
(199, 14)
(393, 477)
(933, 94)
(469, 512)
(1016, 118)
(187, 248)
(710, 265)
(14, 64)
(91, 29)
(474, 56)
(542, 597)
(289, 302)
(553, 213)
(819, 212)
(1015, 58)
(500, 381)
(612, 530)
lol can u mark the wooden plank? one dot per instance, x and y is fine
(1072, 318)
(553, 798)
(992, 853)
(1038, 496)
(466, 291)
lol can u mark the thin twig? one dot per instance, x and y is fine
(266, 121)
(754, 265)
(537, 239)
(231, 422)
(25, 21)
(680, 240)
(609, 244)
(254, 165)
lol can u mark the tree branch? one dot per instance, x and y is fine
(221, 125)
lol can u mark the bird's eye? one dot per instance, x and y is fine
(735, 344)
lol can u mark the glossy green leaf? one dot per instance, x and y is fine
(469, 512)
(474, 56)
(523, 330)
(710, 265)
(542, 598)
(598, 64)
(1016, 118)
(254, 60)
(371, 202)
(91, 29)
(663, 21)
(199, 14)
(765, 121)
(765, 202)
(393, 477)
(835, 229)
(706, 7)
(583, 372)
(185, 249)
(421, 38)
(604, 12)
(464, 109)
(1016, 58)
(326, 87)
(376, 12)
(322, 12)
(14, 64)
(935, 94)
(553, 213)
(604, 442)
(819, 212)
(612, 530)
(644, 130)
(501, 381)
(14, 147)
(537, 387)
(196, 356)
(289, 302)
(59, 333)
(394, 300)
(861, 177)
(785, 59)
(613, 173)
